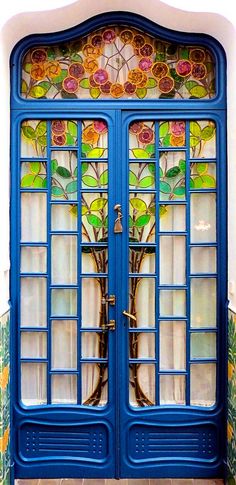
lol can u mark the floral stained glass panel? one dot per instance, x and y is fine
(118, 62)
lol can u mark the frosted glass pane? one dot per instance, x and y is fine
(142, 301)
(203, 384)
(64, 260)
(172, 218)
(173, 338)
(92, 312)
(64, 389)
(142, 385)
(33, 259)
(34, 384)
(172, 260)
(64, 302)
(33, 345)
(33, 217)
(64, 344)
(142, 345)
(203, 260)
(64, 217)
(172, 302)
(94, 260)
(203, 345)
(142, 260)
(94, 345)
(94, 384)
(203, 302)
(203, 218)
(33, 302)
(172, 389)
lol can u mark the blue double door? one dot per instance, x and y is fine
(120, 356)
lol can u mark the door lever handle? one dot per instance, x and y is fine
(129, 315)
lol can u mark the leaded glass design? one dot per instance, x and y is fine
(118, 62)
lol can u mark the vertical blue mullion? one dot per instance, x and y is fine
(18, 254)
(49, 323)
(79, 262)
(188, 279)
(157, 263)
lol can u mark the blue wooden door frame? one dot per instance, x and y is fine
(119, 113)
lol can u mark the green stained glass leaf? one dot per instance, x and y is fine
(35, 167)
(191, 183)
(150, 149)
(58, 79)
(173, 172)
(76, 57)
(84, 83)
(31, 180)
(194, 141)
(151, 83)
(42, 141)
(165, 188)
(45, 183)
(208, 132)
(57, 191)
(139, 153)
(89, 181)
(131, 222)
(162, 210)
(166, 142)
(201, 168)
(71, 188)
(184, 53)
(205, 181)
(141, 92)
(63, 172)
(176, 77)
(54, 165)
(182, 166)
(28, 132)
(105, 222)
(41, 128)
(103, 180)
(198, 91)
(66, 95)
(84, 168)
(179, 191)
(152, 209)
(138, 204)
(161, 174)
(190, 84)
(142, 221)
(195, 129)
(51, 53)
(95, 93)
(146, 182)
(75, 174)
(94, 221)
(37, 92)
(151, 168)
(45, 85)
(163, 129)
(98, 204)
(84, 210)
(96, 153)
(85, 148)
(27, 67)
(70, 139)
(133, 180)
(24, 86)
(72, 128)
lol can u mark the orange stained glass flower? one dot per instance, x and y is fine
(117, 90)
(135, 76)
(89, 135)
(53, 69)
(159, 70)
(90, 50)
(126, 36)
(197, 55)
(90, 65)
(199, 71)
(166, 84)
(37, 72)
(177, 141)
(144, 81)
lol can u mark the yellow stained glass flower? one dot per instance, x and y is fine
(89, 135)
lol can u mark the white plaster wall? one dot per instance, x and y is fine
(22, 18)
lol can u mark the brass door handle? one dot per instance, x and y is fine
(129, 315)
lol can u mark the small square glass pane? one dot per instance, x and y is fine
(34, 384)
(172, 260)
(33, 302)
(64, 344)
(94, 384)
(142, 345)
(172, 184)
(172, 218)
(64, 301)
(33, 175)
(142, 378)
(94, 345)
(142, 217)
(172, 303)
(203, 260)
(33, 345)
(64, 217)
(142, 260)
(203, 302)
(33, 259)
(173, 338)
(203, 345)
(64, 389)
(34, 138)
(64, 175)
(203, 384)
(203, 218)
(64, 260)
(33, 217)
(92, 290)
(142, 301)
(172, 389)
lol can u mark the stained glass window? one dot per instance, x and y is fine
(118, 62)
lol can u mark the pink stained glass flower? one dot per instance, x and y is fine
(183, 68)
(76, 70)
(38, 55)
(106, 88)
(100, 126)
(97, 40)
(109, 36)
(136, 127)
(146, 50)
(100, 76)
(59, 140)
(92, 82)
(129, 88)
(177, 128)
(70, 84)
(145, 64)
(199, 71)
(58, 127)
(146, 136)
